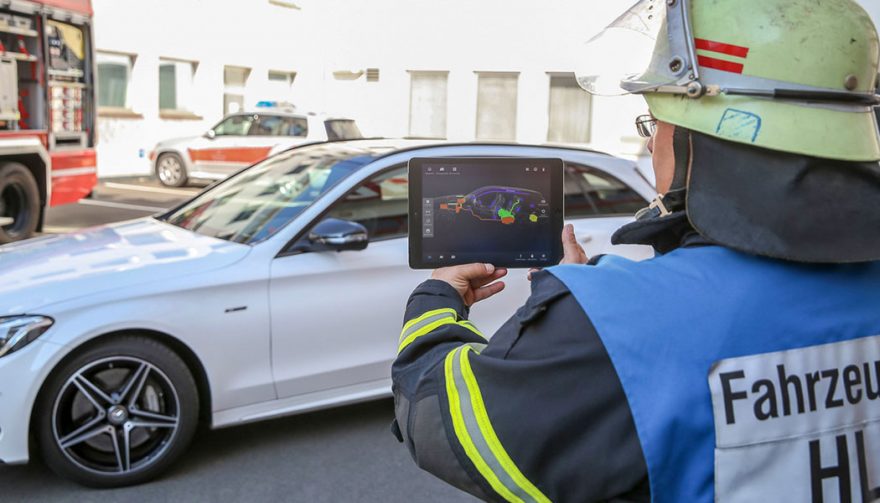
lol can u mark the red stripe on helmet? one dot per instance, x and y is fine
(719, 64)
(729, 49)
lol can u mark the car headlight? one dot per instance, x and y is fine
(17, 332)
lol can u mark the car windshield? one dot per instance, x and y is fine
(257, 203)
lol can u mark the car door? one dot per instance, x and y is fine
(336, 316)
(237, 143)
(597, 204)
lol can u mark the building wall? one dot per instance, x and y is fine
(318, 38)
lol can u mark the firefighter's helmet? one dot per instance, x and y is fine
(796, 76)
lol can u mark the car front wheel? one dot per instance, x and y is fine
(117, 414)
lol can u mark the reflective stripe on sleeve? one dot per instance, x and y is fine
(424, 324)
(476, 435)
(430, 321)
(470, 326)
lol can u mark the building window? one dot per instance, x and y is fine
(427, 104)
(176, 85)
(114, 77)
(496, 106)
(234, 81)
(282, 77)
(281, 84)
(570, 110)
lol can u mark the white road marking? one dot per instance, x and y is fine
(159, 190)
(123, 206)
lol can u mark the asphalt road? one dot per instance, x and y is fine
(343, 454)
(114, 200)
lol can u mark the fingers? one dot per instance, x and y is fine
(499, 273)
(531, 271)
(487, 291)
(572, 251)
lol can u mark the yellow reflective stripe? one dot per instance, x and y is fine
(428, 322)
(461, 431)
(478, 347)
(470, 326)
(426, 315)
(489, 432)
(477, 437)
(424, 330)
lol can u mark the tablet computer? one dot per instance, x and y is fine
(504, 211)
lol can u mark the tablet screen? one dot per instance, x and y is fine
(504, 211)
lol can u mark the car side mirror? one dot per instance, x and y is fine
(339, 235)
(210, 134)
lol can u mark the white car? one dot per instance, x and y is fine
(240, 304)
(242, 139)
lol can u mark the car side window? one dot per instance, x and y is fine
(267, 125)
(295, 126)
(379, 204)
(590, 192)
(237, 125)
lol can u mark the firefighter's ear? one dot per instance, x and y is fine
(663, 156)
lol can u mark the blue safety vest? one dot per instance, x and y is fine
(759, 325)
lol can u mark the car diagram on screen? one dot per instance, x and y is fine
(506, 205)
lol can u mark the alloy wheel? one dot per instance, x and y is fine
(116, 416)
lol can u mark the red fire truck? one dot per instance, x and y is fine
(47, 110)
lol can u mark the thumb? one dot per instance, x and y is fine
(570, 246)
(475, 271)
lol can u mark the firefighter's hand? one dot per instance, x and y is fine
(572, 251)
(474, 282)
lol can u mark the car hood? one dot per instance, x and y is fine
(51, 269)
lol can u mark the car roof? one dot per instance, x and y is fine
(286, 113)
(380, 147)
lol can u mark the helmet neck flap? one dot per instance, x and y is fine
(764, 202)
(782, 205)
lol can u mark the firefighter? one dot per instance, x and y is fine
(742, 363)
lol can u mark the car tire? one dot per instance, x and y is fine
(118, 413)
(20, 201)
(171, 171)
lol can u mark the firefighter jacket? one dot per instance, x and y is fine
(703, 373)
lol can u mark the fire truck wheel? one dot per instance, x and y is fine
(19, 201)
(170, 170)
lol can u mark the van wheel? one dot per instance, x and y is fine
(19, 203)
(117, 414)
